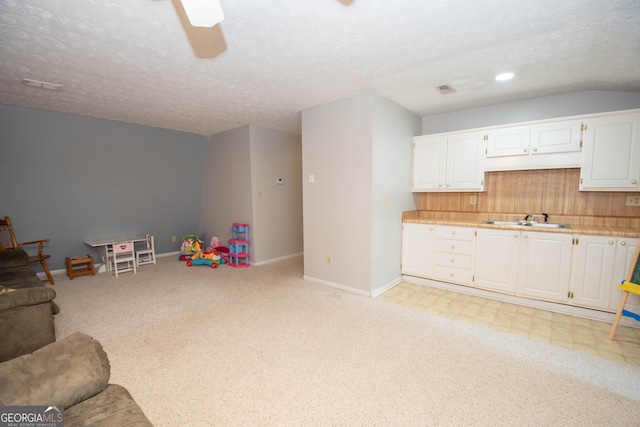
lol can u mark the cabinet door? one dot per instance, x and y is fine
(594, 262)
(557, 137)
(496, 260)
(429, 160)
(625, 250)
(544, 265)
(611, 160)
(417, 249)
(465, 162)
(512, 141)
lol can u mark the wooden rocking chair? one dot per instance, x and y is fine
(8, 241)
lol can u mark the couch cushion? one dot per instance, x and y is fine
(113, 407)
(62, 373)
(13, 258)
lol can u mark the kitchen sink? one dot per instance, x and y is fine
(533, 224)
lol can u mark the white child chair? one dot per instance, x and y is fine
(122, 257)
(147, 256)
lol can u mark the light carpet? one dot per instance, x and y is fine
(260, 346)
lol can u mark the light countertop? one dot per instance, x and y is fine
(601, 230)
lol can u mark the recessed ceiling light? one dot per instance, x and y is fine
(504, 76)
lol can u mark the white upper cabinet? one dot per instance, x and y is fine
(611, 157)
(453, 162)
(465, 162)
(513, 141)
(543, 145)
(556, 137)
(429, 162)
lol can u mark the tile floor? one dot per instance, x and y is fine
(589, 336)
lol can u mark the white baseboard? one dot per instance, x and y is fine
(99, 266)
(269, 261)
(384, 288)
(337, 286)
(570, 310)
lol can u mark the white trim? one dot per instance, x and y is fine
(269, 261)
(337, 286)
(384, 288)
(570, 310)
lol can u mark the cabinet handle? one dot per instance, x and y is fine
(525, 236)
(623, 243)
(525, 149)
(453, 233)
(611, 242)
(450, 274)
(634, 182)
(515, 235)
(452, 260)
(453, 246)
(535, 148)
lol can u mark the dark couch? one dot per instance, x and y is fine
(26, 307)
(72, 373)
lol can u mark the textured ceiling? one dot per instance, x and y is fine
(140, 61)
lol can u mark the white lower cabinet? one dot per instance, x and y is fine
(544, 265)
(593, 271)
(454, 254)
(417, 249)
(601, 263)
(625, 250)
(496, 260)
(524, 263)
(581, 270)
(528, 264)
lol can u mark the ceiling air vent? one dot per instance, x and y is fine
(445, 89)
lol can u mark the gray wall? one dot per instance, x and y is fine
(242, 165)
(277, 215)
(393, 130)
(568, 104)
(336, 149)
(72, 178)
(359, 151)
(226, 196)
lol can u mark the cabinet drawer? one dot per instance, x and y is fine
(454, 246)
(450, 274)
(453, 260)
(455, 233)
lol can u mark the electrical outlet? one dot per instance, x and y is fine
(473, 200)
(633, 200)
(173, 239)
(329, 260)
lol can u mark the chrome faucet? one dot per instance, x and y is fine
(526, 217)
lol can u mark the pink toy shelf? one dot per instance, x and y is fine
(239, 246)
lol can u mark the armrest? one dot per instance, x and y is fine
(62, 373)
(38, 242)
(13, 258)
(26, 296)
(35, 241)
